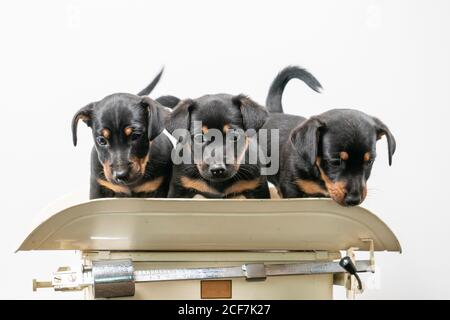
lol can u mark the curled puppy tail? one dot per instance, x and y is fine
(273, 101)
(146, 91)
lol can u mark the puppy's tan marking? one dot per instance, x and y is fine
(226, 128)
(343, 155)
(128, 131)
(83, 117)
(149, 186)
(105, 133)
(311, 187)
(366, 156)
(242, 186)
(364, 194)
(143, 163)
(337, 189)
(198, 185)
(139, 164)
(107, 170)
(113, 187)
(205, 129)
(274, 194)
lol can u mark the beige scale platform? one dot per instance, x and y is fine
(206, 249)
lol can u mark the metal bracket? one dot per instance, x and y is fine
(66, 279)
(254, 271)
(371, 253)
(350, 281)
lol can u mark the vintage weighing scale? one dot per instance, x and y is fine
(211, 249)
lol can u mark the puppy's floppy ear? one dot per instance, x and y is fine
(305, 139)
(382, 130)
(84, 114)
(253, 114)
(180, 118)
(156, 117)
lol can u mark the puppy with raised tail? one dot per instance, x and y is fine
(328, 155)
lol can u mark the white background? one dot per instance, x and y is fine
(390, 59)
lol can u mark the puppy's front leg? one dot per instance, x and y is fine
(177, 191)
(290, 190)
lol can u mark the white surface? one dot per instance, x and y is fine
(387, 58)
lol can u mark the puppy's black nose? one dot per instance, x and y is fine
(217, 169)
(352, 199)
(121, 175)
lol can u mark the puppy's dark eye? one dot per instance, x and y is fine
(370, 162)
(334, 162)
(202, 138)
(198, 138)
(136, 136)
(102, 141)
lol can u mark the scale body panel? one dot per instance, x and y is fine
(268, 249)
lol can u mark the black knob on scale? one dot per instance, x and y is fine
(347, 264)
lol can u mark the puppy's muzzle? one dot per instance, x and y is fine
(352, 199)
(217, 170)
(123, 174)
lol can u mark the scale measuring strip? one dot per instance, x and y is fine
(240, 271)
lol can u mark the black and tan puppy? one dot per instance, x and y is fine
(328, 155)
(215, 134)
(130, 157)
